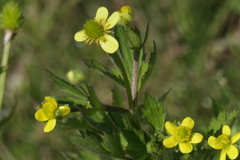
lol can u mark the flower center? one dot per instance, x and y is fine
(223, 141)
(49, 110)
(183, 133)
(94, 29)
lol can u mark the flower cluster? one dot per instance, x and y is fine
(183, 136)
(49, 111)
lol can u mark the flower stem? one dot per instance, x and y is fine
(126, 81)
(4, 63)
(134, 85)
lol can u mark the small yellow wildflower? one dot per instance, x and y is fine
(97, 30)
(126, 15)
(225, 143)
(49, 112)
(182, 135)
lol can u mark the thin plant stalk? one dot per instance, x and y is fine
(4, 62)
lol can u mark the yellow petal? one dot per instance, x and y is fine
(110, 45)
(185, 147)
(102, 13)
(226, 130)
(40, 116)
(170, 142)
(170, 127)
(196, 138)
(235, 138)
(112, 20)
(232, 152)
(212, 142)
(80, 36)
(223, 154)
(62, 111)
(51, 100)
(188, 122)
(50, 125)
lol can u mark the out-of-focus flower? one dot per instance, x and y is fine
(126, 15)
(49, 112)
(97, 30)
(225, 143)
(75, 75)
(182, 135)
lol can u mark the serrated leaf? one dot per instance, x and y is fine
(146, 68)
(95, 65)
(117, 97)
(93, 99)
(232, 115)
(151, 63)
(118, 119)
(90, 143)
(142, 71)
(101, 121)
(154, 113)
(66, 87)
(217, 123)
(125, 51)
(136, 144)
(113, 144)
(146, 35)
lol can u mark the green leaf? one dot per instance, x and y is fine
(163, 97)
(154, 113)
(146, 35)
(117, 97)
(217, 107)
(113, 144)
(151, 64)
(74, 123)
(95, 65)
(66, 87)
(146, 68)
(125, 51)
(136, 144)
(7, 118)
(91, 143)
(95, 103)
(101, 121)
(217, 123)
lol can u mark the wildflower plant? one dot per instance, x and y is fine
(137, 129)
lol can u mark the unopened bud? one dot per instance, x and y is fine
(126, 15)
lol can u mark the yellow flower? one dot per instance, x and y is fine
(49, 112)
(225, 143)
(182, 135)
(126, 15)
(97, 30)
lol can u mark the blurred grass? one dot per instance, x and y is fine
(198, 57)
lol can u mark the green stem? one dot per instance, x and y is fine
(4, 63)
(126, 81)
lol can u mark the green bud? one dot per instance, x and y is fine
(11, 17)
(75, 76)
(126, 15)
(134, 38)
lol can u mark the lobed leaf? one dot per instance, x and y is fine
(154, 113)
(66, 87)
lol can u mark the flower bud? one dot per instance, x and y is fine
(11, 17)
(126, 15)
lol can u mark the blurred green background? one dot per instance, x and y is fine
(198, 45)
